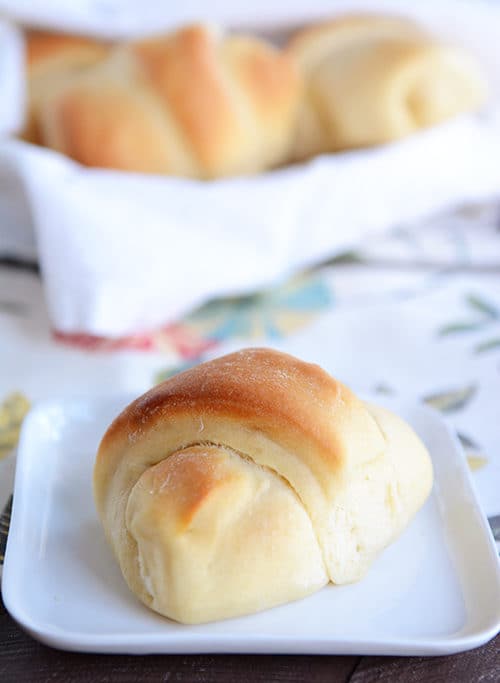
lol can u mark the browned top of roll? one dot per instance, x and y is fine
(262, 388)
(44, 46)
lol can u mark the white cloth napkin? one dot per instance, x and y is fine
(122, 253)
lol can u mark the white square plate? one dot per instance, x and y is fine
(435, 591)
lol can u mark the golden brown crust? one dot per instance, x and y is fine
(186, 73)
(262, 388)
(192, 474)
(42, 46)
(109, 129)
(269, 81)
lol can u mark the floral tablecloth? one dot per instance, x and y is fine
(416, 312)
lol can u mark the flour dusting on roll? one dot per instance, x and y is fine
(292, 482)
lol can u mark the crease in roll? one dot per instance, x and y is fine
(291, 482)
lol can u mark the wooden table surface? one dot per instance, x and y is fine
(24, 660)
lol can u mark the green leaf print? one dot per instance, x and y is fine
(346, 257)
(483, 306)
(451, 400)
(488, 345)
(487, 314)
(454, 328)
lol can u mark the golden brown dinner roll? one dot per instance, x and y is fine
(51, 58)
(250, 481)
(194, 103)
(374, 78)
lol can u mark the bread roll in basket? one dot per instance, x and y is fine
(370, 79)
(194, 103)
(250, 481)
